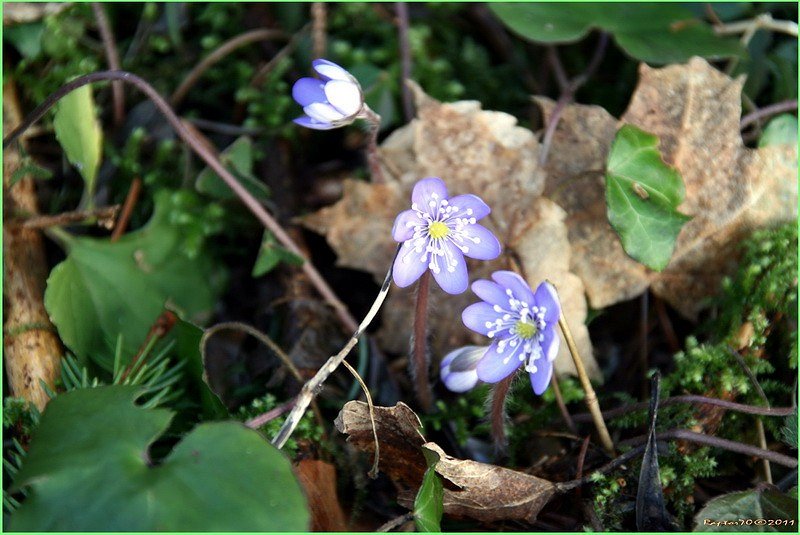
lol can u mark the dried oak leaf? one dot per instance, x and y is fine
(730, 189)
(475, 490)
(474, 151)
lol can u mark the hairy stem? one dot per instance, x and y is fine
(562, 407)
(497, 411)
(373, 159)
(209, 158)
(591, 397)
(419, 357)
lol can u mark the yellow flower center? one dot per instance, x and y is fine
(437, 230)
(525, 330)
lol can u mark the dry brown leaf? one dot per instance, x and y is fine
(318, 480)
(473, 151)
(730, 189)
(476, 490)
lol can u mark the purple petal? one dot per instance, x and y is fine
(470, 202)
(550, 343)
(427, 190)
(463, 359)
(496, 366)
(460, 381)
(409, 265)
(515, 283)
(404, 225)
(344, 96)
(477, 315)
(329, 70)
(308, 122)
(547, 297)
(456, 281)
(540, 379)
(491, 292)
(482, 244)
(308, 90)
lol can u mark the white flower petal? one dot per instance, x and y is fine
(344, 96)
(330, 70)
(324, 113)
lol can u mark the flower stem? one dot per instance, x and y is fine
(373, 159)
(498, 411)
(591, 397)
(419, 358)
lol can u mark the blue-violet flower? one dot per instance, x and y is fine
(521, 323)
(437, 233)
(457, 369)
(333, 100)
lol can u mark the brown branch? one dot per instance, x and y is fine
(767, 111)
(218, 54)
(112, 58)
(697, 400)
(210, 159)
(261, 419)
(405, 59)
(104, 217)
(562, 407)
(127, 209)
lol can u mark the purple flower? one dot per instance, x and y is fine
(521, 323)
(457, 369)
(436, 234)
(333, 100)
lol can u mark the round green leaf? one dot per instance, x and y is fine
(89, 468)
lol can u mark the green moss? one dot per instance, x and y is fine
(307, 429)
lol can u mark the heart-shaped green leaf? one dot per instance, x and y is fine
(103, 289)
(642, 195)
(656, 33)
(89, 469)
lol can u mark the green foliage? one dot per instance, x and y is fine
(220, 477)
(238, 159)
(20, 415)
(270, 254)
(105, 289)
(749, 511)
(643, 193)
(789, 431)
(26, 37)
(428, 506)
(464, 414)
(656, 33)
(80, 135)
(781, 130)
(307, 429)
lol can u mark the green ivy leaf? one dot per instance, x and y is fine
(730, 512)
(79, 133)
(103, 289)
(782, 130)
(238, 159)
(271, 254)
(89, 469)
(656, 33)
(428, 506)
(642, 195)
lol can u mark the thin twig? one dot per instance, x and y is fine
(643, 339)
(261, 419)
(761, 22)
(582, 459)
(319, 17)
(224, 128)
(311, 388)
(261, 75)
(127, 209)
(395, 522)
(568, 89)
(245, 196)
(373, 158)
(419, 353)
(591, 397)
(373, 472)
(717, 442)
(112, 57)
(697, 400)
(104, 216)
(218, 54)
(767, 111)
(405, 59)
(562, 407)
(608, 467)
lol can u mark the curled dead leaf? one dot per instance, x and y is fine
(475, 490)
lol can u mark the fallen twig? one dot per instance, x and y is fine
(104, 216)
(767, 111)
(112, 57)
